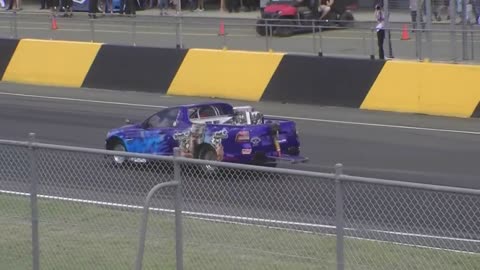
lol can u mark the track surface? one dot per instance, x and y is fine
(200, 32)
(444, 154)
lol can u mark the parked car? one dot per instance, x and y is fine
(211, 131)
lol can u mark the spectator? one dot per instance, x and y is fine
(13, 4)
(233, 5)
(54, 4)
(192, 5)
(325, 7)
(43, 4)
(68, 8)
(200, 6)
(130, 8)
(380, 18)
(263, 4)
(414, 12)
(92, 9)
(163, 4)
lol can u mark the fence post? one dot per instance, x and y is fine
(453, 34)
(388, 35)
(144, 222)
(33, 203)
(339, 218)
(92, 30)
(428, 11)
(314, 38)
(134, 31)
(320, 43)
(266, 35)
(178, 210)
(14, 26)
(372, 45)
(464, 30)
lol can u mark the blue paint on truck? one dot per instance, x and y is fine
(215, 131)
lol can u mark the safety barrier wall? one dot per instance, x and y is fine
(400, 86)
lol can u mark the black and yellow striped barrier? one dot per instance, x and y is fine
(400, 86)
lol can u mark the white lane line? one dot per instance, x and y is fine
(274, 116)
(215, 217)
(377, 125)
(82, 100)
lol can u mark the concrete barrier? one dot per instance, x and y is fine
(7, 48)
(426, 88)
(134, 68)
(401, 86)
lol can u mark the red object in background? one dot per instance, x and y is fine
(221, 30)
(405, 35)
(54, 23)
(287, 10)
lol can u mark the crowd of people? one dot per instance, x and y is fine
(130, 7)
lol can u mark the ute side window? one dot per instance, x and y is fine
(163, 119)
(202, 112)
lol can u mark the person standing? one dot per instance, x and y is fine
(379, 16)
(163, 5)
(92, 9)
(68, 8)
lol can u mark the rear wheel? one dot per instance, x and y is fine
(208, 153)
(346, 19)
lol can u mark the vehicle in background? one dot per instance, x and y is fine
(286, 17)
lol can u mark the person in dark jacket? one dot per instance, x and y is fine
(92, 9)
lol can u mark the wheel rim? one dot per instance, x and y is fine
(119, 159)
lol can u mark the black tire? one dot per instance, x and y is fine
(208, 153)
(346, 19)
(285, 29)
(119, 160)
(261, 29)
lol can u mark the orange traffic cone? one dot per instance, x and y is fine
(54, 23)
(405, 35)
(221, 30)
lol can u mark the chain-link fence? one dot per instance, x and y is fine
(451, 35)
(74, 208)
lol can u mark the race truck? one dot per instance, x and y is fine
(284, 18)
(210, 131)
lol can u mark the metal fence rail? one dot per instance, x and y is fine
(72, 207)
(452, 40)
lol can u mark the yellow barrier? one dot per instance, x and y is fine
(428, 88)
(56, 63)
(224, 74)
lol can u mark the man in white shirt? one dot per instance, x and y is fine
(379, 16)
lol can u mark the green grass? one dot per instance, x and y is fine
(80, 236)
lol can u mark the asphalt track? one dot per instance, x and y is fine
(394, 146)
(416, 148)
(201, 32)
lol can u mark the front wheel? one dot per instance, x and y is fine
(286, 28)
(119, 160)
(262, 28)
